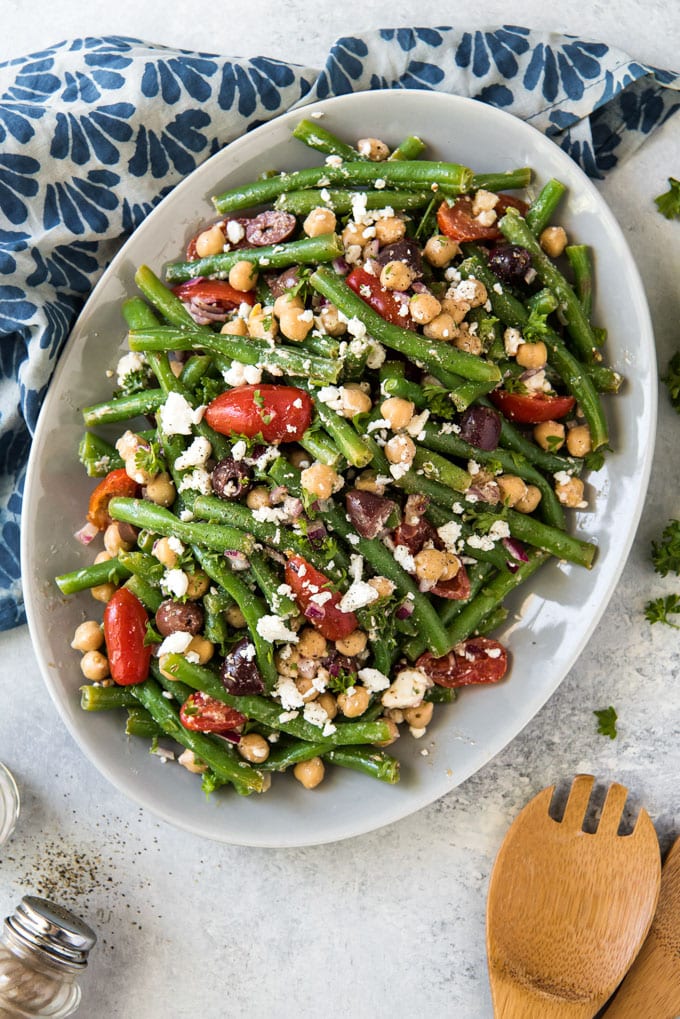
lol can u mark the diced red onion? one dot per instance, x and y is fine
(419, 288)
(237, 560)
(314, 612)
(316, 532)
(516, 550)
(405, 610)
(278, 494)
(205, 312)
(341, 266)
(293, 507)
(487, 492)
(86, 533)
(231, 736)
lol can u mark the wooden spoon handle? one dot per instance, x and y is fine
(513, 1001)
(650, 990)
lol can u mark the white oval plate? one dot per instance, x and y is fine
(551, 620)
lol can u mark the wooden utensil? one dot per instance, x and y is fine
(568, 910)
(651, 989)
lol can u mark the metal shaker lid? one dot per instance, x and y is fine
(42, 924)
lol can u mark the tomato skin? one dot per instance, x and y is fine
(475, 660)
(202, 713)
(457, 222)
(456, 589)
(531, 410)
(267, 409)
(116, 483)
(380, 299)
(125, 622)
(217, 292)
(306, 581)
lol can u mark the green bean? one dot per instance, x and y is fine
(225, 763)
(513, 440)
(122, 408)
(142, 513)
(541, 210)
(143, 565)
(491, 622)
(320, 447)
(351, 445)
(310, 250)
(325, 346)
(374, 763)
(195, 369)
(237, 348)
(581, 264)
(549, 539)
(106, 698)
(457, 178)
(515, 230)
(430, 354)
(438, 468)
(301, 203)
(149, 596)
(440, 695)
(268, 712)
(509, 180)
(141, 723)
(283, 757)
(317, 137)
(605, 379)
(167, 303)
(98, 456)
(268, 581)
(410, 148)
(109, 572)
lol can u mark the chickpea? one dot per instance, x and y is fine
(471, 343)
(128, 444)
(430, 564)
(311, 643)
(261, 323)
(423, 308)
(532, 355)
(452, 568)
(354, 702)
(203, 648)
(102, 557)
(287, 660)
(235, 617)
(439, 250)
(306, 688)
(529, 502)
(165, 554)
(210, 242)
(396, 275)
(199, 582)
(161, 490)
(258, 497)
(553, 240)
(141, 475)
(287, 302)
(331, 321)
(353, 644)
(549, 435)
(570, 493)
(419, 717)
(578, 440)
(382, 585)
(319, 221)
(88, 636)
(512, 488)
(103, 592)
(329, 704)
(473, 291)
(310, 773)
(397, 412)
(236, 327)
(253, 748)
(355, 234)
(192, 763)
(456, 307)
(299, 458)
(243, 276)
(373, 148)
(400, 449)
(367, 482)
(441, 327)
(319, 480)
(390, 229)
(114, 541)
(394, 733)
(295, 325)
(354, 400)
(94, 665)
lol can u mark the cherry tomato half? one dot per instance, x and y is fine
(476, 660)
(203, 713)
(217, 292)
(306, 581)
(457, 222)
(125, 622)
(456, 589)
(379, 298)
(279, 413)
(114, 484)
(531, 410)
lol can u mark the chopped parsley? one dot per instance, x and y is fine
(659, 609)
(672, 380)
(666, 552)
(668, 203)
(149, 458)
(439, 402)
(606, 721)
(536, 327)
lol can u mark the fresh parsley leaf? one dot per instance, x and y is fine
(666, 553)
(606, 721)
(152, 636)
(208, 389)
(536, 326)
(428, 222)
(344, 680)
(672, 380)
(439, 402)
(594, 461)
(135, 381)
(150, 459)
(658, 610)
(668, 203)
(258, 398)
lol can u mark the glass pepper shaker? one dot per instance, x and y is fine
(43, 950)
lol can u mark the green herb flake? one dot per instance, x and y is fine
(606, 721)
(659, 609)
(668, 203)
(666, 552)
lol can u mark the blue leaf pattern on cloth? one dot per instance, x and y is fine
(95, 131)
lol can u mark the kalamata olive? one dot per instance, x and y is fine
(368, 512)
(280, 283)
(481, 427)
(271, 227)
(415, 536)
(510, 262)
(128, 533)
(174, 616)
(336, 663)
(231, 478)
(239, 672)
(405, 250)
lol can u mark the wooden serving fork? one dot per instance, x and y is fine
(568, 910)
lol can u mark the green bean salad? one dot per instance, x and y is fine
(352, 421)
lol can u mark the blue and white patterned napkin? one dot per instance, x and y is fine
(93, 133)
